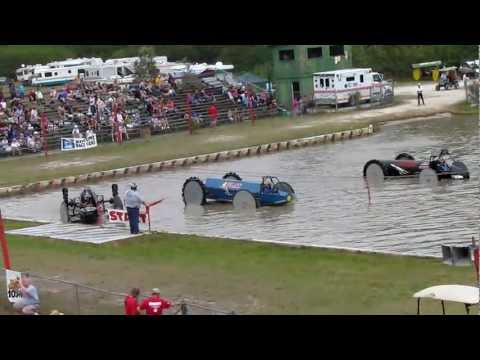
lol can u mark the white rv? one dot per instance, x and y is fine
(342, 86)
(62, 72)
(25, 72)
(110, 72)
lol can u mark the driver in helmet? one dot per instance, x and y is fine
(442, 160)
(86, 198)
(268, 184)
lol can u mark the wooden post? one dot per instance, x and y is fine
(368, 190)
(189, 113)
(4, 244)
(148, 216)
(476, 264)
(44, 128)
(77, 299)
(465, 85)
(252, 115)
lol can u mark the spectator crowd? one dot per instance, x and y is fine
(80, 107)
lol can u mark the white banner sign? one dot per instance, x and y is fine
(68, 144)
(121, 216)
(13, 285)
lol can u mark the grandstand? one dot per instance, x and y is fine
(136, 108)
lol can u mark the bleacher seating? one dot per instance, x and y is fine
(176, 120)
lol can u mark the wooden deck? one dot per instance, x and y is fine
(77, 232)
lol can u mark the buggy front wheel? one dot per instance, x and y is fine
(244, 200)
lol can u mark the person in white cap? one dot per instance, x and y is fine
(420, 94)
(133, 201)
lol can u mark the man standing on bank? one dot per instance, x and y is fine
(420, 94)
(133, 201)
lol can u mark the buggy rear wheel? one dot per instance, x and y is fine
(193, 192)
(64, 218)
(232, 176)
(404, 156)
(374, 173)
(428, 177)
(244, 200)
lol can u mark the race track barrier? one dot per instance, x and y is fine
(196, 159)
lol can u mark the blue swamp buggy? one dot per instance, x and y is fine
(232, 189)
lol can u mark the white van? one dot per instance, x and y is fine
(341, 86)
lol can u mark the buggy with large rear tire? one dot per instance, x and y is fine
(443, 165)
(88, 208)
(232, 189)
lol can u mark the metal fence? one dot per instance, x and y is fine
(72, 298)
(472, 91)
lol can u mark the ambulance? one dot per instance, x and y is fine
(349, 86)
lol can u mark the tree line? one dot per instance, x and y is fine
(393, 60)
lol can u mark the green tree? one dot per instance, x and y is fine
(395, 60)
(145, 68)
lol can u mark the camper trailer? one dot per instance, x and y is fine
(349, 86)
(62, 72)
(25, 72)
(111, 71)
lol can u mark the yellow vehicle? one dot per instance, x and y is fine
(426, 69)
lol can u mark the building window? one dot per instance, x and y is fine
(315, 52)
(350, 78)
(286, 55)
(337, 50)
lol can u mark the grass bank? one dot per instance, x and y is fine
(464, 108)
(248, 277)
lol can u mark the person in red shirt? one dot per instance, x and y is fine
(131, 302)
(154, 305)
(212, 111)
